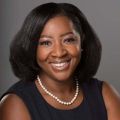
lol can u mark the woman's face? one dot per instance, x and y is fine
(58, 51)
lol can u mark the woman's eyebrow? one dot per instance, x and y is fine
(68, 33)
(62, 35)
(45, 36)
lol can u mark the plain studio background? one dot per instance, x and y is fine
(103, 15)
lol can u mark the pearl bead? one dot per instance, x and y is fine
(56, 98)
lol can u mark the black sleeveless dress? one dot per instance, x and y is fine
(91, 108)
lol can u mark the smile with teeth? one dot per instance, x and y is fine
(60, 66)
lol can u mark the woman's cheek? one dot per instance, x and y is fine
(42, 54)
(74, 51)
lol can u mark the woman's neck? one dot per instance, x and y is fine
(58, 86)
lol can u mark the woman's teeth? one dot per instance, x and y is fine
(60, 66)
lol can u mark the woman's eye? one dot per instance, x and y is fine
(45, 43)
(70, 40)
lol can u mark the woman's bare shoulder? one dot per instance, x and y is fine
(13, 108)
(112, 101)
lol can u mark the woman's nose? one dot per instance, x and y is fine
(59, 50)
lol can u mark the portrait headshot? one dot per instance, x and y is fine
(60, 60)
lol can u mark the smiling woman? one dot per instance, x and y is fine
(56, 54)
(59, 49)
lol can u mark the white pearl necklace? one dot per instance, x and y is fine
(56, 98)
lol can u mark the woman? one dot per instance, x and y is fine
(55, 54)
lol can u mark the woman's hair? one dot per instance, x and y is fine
(23, 47)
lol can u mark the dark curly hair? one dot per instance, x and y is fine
(23, 47)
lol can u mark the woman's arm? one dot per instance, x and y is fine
(13, 108)
(112, 101)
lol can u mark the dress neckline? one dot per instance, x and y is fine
(80, 106)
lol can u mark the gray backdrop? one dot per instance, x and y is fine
(104, 16)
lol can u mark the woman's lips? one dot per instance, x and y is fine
(59, 66)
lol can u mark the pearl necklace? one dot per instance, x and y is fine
(55, 97)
